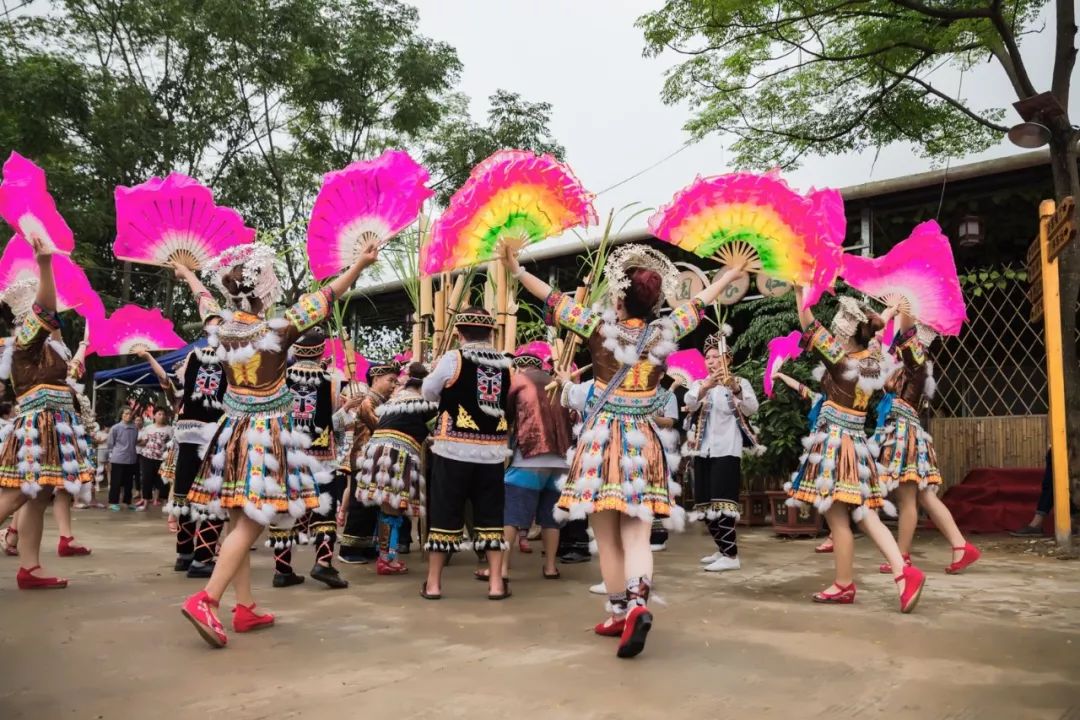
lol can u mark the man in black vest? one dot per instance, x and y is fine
(197, 401)
(469, 447)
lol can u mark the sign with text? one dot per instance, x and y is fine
(736, 291)
(771, 287)
(1061, 229)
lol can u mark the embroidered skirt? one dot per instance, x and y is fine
(624, 462)
(46, 445)
(907, 451)
(391, 475)
(168, 464)
(257, 462)
(839, 465)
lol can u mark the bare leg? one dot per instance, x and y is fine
(436, 563)
(871, 525)
(31, 522)
(843, 545)
(909, 515)
(496, 586)
(234, 560)
(637, 557)
(605, 526)
(61, 510)
(549, 537)
(11, 499)
(943, 521)
(510, 533)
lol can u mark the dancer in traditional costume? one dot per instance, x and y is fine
(256, 467)
(198, 398)
(540, 439)
(312, 387)
(621, 469)
(472, 386)
(907, 451)
(361, 521)
(722, 403)
(45, 449)
(839, 473)
(390, 475)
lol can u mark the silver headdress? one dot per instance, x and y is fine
(19, 296)
(718, 340)
(927, 335)
(639, 256)
(259, 273)
(848, 316)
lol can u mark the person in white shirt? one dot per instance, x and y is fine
(721, 402)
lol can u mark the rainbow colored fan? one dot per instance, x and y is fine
(174, 220)
(25, 203)
(761, 223)
(514, 196)
(367, 201)
(132, 328)
(918, 275)
(73, 291)
(686, 366)
(785, 347)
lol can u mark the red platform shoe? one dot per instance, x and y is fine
(638, 624)
(914, 580)
(28, 581)
(199, 609)
(886, 569)
(971, 554)
(844, 595)
(612, 629)
(391, 567)
(245, 619)
(65, 548)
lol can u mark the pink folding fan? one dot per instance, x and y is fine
(27, 206)
(131, 328)
(174, 220)
(686, 366)
(785, 347)
(73, 291)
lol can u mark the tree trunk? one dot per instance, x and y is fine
(1063, 163)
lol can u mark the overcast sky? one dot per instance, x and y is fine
(584, 57)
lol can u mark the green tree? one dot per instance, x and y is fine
(792, 78)
(459, 143)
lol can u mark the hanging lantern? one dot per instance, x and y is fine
(970, 233)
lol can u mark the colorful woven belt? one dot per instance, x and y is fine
(39, 397)
(273, 403)
(395, 438)
(904, 410)
(846, 418)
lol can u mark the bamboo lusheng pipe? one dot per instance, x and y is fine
(427, 308)
(573, 376)
(510, 331)
(418, 338)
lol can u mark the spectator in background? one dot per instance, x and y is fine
(152, 442)
(136, 483)
(121, 444)
(1044, 506)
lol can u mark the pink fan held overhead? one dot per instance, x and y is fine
(785, 347)
(174, 220)
(131, 328)
(73, 291)
(27, 206)
(365, 202)
(918, 275)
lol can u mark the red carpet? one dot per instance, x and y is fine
(992, 500)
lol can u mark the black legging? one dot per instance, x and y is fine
(150, 475)
(121, 478)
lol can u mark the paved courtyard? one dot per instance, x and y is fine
(1002, 641)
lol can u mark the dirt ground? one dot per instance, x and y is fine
(1001, 641)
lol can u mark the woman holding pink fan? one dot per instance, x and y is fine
(255, 470)
(46, 448)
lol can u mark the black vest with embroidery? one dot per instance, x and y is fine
(313, 404)
(473, 407)
(204, 387)
(408, 416)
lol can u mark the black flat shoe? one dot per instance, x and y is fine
(428, 596)
(200, 571)
(281, 580)
(573, 558)
(505, 593)
(182, 564)
(553, 576)
(328, 575)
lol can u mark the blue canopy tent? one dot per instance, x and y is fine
(140, 375)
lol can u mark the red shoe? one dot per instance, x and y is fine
(825, 547)
(971, 554)
(845, 595)
(199, 609)
(245, 619)
(391, 567)
(66, 549)
(886, 569)
(638, 624)
(11, 542)
(914, 579)
(523, 545)
(614, 629)
(28, 581)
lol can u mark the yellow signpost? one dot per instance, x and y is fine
(1055, 232)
